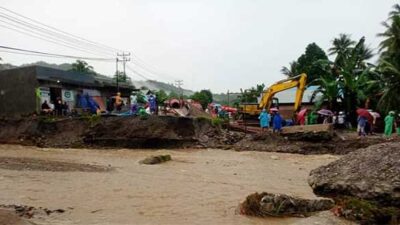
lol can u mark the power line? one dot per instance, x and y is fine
(44, 39)
(152, 69)
(54, 35)
(47, 33)
(137, 73)
(71, 36)
(55, 55)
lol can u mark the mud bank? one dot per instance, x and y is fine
(340, 144)
(163, 132)
(113, 132)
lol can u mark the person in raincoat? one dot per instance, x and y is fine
(398, 125)
(389, 121)
(277, 122)
(264, 119)
(152, 104)
(361, 123)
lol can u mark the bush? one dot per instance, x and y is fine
(218, 122)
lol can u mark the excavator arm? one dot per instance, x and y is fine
(297, 81)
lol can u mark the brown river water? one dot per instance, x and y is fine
(196, 187)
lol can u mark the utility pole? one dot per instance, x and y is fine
(116, 72)
(179, 84)
(124, 60)
(228, 100)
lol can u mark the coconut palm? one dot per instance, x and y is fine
(395, 11)
(390, 62)
(290, 71)
(390, 99)
(341, 48)
(391, 44)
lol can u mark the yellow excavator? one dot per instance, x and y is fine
(267, 97)
(251, 111)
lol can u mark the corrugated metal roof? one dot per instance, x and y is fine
(71, 77)
(75, 78)
(288, 96)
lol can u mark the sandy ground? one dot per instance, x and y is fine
(196, 187)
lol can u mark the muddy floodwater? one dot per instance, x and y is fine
(196, 187)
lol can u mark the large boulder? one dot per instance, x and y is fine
(370, 174)
(269, 204)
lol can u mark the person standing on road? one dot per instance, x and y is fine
(264, 120)
(389, 121)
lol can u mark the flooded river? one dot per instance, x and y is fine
(196, 187)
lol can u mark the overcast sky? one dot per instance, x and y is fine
(214, 44)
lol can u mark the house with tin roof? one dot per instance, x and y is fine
(24, 89)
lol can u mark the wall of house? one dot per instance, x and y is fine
(286, 110)
(17, 92)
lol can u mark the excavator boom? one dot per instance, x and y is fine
(297, 81)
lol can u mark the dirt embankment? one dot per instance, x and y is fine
(129, 132)
(339, 145)
(163, 132)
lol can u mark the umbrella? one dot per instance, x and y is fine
(365, 113)
(375, 114)
(302, 113)
(325, 112)
(274, 110)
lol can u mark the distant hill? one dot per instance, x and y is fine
(63, 66)
(158, 85)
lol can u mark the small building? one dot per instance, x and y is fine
(286, 100)
(24, 89)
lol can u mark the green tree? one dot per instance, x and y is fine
(389, 63)
(173, 94)
(354, 77)
(205, 97)
(251, 95)
(306, 63)
(82, 67)
(161, 96)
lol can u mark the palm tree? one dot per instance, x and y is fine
(291, 71)
(395, 11)
(390, 99)
(329, 90)
(82, 66)
(347, 77)
(391, 44)
(341, 48)
(390, 62)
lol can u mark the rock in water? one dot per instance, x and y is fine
(370, 174)
(267, 204)
(156, 159)
(8, 217)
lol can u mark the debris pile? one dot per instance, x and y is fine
(7, 217)
(267, 204)
(364, 183)
(156, 159)
(30, 211)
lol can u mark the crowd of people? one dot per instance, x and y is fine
(59, 108)
(366, 120)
